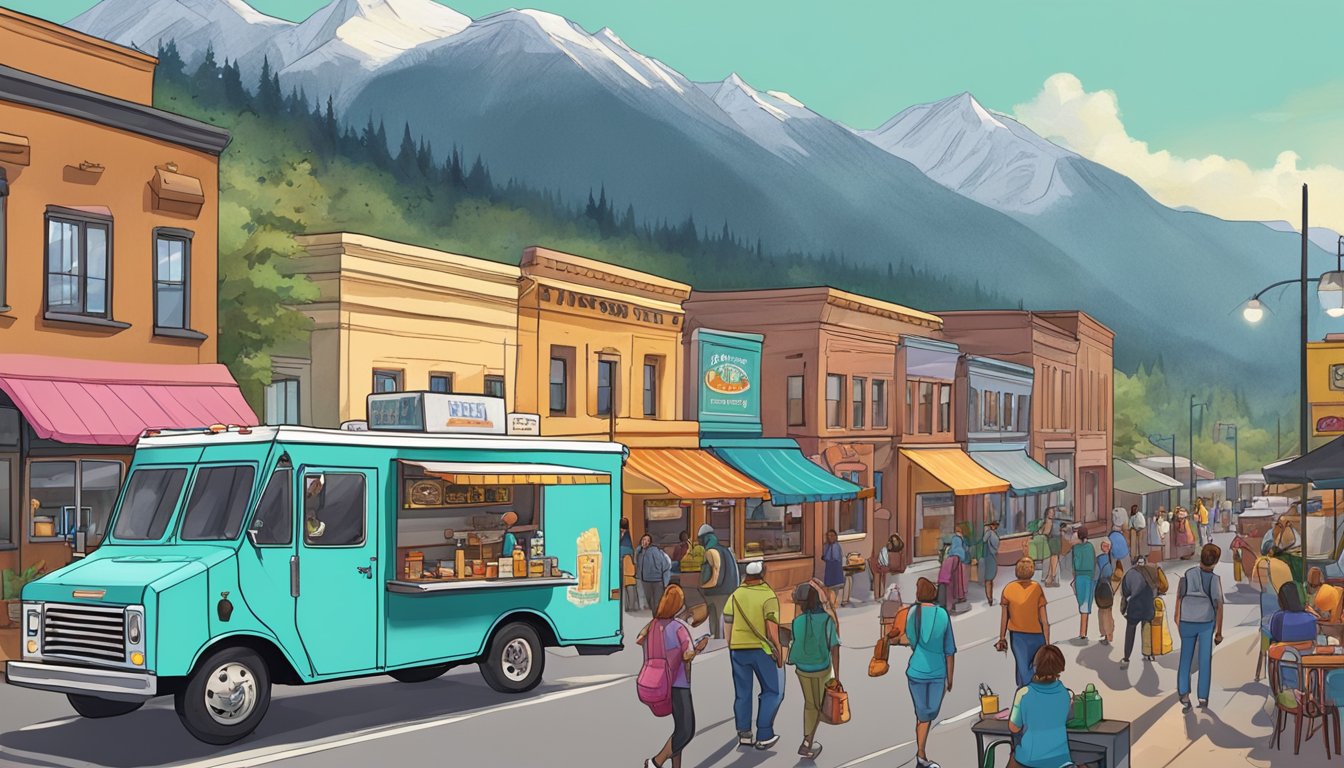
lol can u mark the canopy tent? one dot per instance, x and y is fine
(1024, 475)
(1323, 468)
(1139, 480)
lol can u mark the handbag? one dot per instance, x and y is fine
(1102, 592)
(654, 682)
(835, 704)
(879, 664)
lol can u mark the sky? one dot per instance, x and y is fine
(1194, 100)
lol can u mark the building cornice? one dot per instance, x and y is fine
(544, 262)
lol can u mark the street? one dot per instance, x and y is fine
(588, 705)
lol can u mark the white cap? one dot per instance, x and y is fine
(755, 567)
(704, 529)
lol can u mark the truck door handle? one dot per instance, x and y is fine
(294, 576)
(367, 570)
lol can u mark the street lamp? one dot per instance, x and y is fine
(1226, 431)
(1191, 460)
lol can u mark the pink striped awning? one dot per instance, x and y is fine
(92, 402)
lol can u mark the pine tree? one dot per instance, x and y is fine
(269, 100)
(235, 95)
(407, 163)
(207, 81)
(171, 68)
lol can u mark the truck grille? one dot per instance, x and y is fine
(85, 631)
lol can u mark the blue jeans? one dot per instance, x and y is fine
(1025, 645)
(1192, 633)
(756, 663)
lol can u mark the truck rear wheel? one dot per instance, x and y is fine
(226, 696)
(419, 674)
(514, 660)
(94, 708)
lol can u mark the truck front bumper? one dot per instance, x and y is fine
(85, 681)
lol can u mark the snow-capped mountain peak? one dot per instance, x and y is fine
(232, 27)
(367, 32)
(985, 156)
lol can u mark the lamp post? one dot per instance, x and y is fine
(1157, 441)
(1191, 459)
(1228, 430)
(1330, 294)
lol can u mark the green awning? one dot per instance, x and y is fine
(1132, 478)
(1025, 477)
(780, 466)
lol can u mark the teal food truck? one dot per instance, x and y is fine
(238, 558)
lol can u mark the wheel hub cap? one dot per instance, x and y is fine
(230, 694)
(517, 660)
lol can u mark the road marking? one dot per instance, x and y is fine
(590, 679)
(271, 754)
(958, 718)
(946, 721)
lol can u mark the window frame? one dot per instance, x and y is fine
(283, 382)
(256, 508)
(440, 376)
(81, 520)
(836, 420)
(858, 402)
(944, 407)
(366, 477)
(83, 220)
(243, 519)
(789, 400)
(565, 356)
(185, 237)
(396, 374)
(652, 370)
(613, 371)
(488, 381)
(881, 413)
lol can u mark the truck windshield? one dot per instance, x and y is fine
(151, 496)
(218, 503)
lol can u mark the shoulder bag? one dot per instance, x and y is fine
(1102, 592)
(778, 652)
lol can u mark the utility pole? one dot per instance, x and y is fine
(1230, 430)
(1303, 418)
(1191, 460)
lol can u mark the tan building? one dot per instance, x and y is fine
(108, 281)
(392, 317)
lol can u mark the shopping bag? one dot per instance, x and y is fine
(1161, 634)
(835, 704)
(879, 664)
(1086, 709)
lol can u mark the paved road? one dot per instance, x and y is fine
(586, 711)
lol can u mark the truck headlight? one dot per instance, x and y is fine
(133, 628)
(34, 622)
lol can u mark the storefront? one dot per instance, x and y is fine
(942, 488)
(1029, 486)
(67, 430)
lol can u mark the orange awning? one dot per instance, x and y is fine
(955, 468)
(688, 473)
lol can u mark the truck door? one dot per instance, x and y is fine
(340, 585)
(267, 571)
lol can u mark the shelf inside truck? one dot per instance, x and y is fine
(458, 585)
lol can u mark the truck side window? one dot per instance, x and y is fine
(148, 504)
(274, 521)
(333, 509)
(218, 503)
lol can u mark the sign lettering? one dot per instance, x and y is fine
(619, 310)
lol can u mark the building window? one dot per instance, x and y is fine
(606, 386)
(858, 402)
(945, 408)
(935, 514)
(651, 387)
(172, 268)
(851, 516)
(990, 412)
(441, 382)
(772, 530)
(561, 382)
(973, 418)
(879, 403)
(925, 407)
(797, 415)
(835, 388)
(78, 275)
(386, 381)
(494, 386)
(72, 495)
(1061, 466)
(1024, 413)
(877, 487)
(910, 426)
(1006, 416)
(8, 474)
(282, 401)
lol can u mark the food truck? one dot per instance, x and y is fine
(240, 558)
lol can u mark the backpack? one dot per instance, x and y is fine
(729, 579)
(1197, 603)
(654, 682)
(1102, 592)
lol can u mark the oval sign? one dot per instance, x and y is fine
(727, 379)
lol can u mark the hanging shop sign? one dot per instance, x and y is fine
(728, 390)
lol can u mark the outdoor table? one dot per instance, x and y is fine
(1315, 666)
(1109, 738)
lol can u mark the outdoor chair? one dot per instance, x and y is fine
(1306, 708)
(1081, 759)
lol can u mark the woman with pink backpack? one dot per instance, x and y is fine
(664, 682)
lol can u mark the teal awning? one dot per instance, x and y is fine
(1139, 480)
(780, 466)
(1025, 477)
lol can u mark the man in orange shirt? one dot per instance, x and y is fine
(1024, 624)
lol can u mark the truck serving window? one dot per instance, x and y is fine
(218, 503)
(151, 496)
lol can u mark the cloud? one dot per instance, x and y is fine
(1089, 123)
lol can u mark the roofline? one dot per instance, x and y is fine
(43, 93)
(833, 297)
(83, 37)
(372, 439)
(345, 238)
(607, 271)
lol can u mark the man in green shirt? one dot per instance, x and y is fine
(753, 650)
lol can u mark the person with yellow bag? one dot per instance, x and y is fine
(815, 656)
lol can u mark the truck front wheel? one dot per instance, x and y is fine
(226, 696)
(514, 660)
(94, 708)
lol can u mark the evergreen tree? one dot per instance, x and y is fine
(478, 179)
(235, 95)
(207, 81)
(171, 68)
(269, 100)
(407, 162)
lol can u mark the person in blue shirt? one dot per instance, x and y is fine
(509, 519)
(833, 559)
(1292, 623)
(933, 651)
(1040, 714)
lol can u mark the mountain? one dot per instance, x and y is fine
(233, 28)
(1322, 237)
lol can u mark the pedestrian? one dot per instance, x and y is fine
(1116, 535)
(1023, 619)
(833, 564)
(1155, 537)
(754, 652)
(989, 560)
(815, 655)
(1183, 536)
(1225, 515)
(1201, 516)
(1040, 713)
(1049, 530)
(627, 544)
(955, 566)
(933, 653)
(679, 551)
(629, 584)
(1107, 570)
(653, 568)
(886, 562)
(1084, 560)
(1138, 524)
(678, 651)
(718, 578)
(1137, 593)
(1326, 599)
(1199, 620)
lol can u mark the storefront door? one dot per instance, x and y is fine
(340, 577)
(934, 516)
